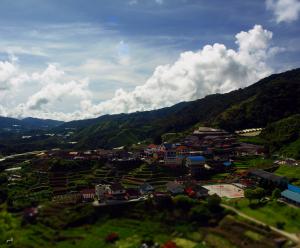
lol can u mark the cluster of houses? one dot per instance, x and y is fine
(205, 152)
(206, 149)
(269, 181)
(115, 192)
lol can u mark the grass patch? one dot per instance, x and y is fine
(253, 235)
(292, 173)
(271, 213)
(256, 140)
(217, 241)
(253, 162)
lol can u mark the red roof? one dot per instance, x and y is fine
(181, 148)
(87, 191)
(152, 146)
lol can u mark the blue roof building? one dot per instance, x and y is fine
(193, 161)
(291, 196)
(196, 158)
(227, 164)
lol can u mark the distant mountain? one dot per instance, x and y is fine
(266, 101)
(7, 123)
(41, 123)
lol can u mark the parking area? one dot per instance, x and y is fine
(225, 190)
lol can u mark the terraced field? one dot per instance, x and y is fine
(155, 175)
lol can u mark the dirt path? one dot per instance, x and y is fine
(288, 235)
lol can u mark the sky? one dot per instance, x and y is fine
(67, 60)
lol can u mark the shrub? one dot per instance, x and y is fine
(214, 202)
(183, 202)
(169, 244)
(112, 237)
(280, 224)
(200, 214)
(276, 194)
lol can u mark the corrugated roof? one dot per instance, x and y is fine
(267, 175)
(196, 158)
(291, 195)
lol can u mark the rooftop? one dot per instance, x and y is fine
(267, 175)
(291, 195)
(196, 158)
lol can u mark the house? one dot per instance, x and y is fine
(117, 191)
(291, 196)
(171, 159)
(102, 190)
(175, 188)
(69, 198)
(205, 131)
(268, 180)
(196, 166)
(182, 150)
(87, 194)
(132, 193)
(195, 161)
(246, 149)
(191, 141)
(196, 191)
(146, 188)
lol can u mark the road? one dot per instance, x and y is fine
(120, 202)
(288, 235)
(20, 154)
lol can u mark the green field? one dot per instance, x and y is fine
(271, 213)
(292, 173)
(131, 233)
(253, 162)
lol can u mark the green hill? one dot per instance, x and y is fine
(269, 100)
(284, 136)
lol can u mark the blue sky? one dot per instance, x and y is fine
(67, 59)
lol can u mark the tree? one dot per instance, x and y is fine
(259, 193)
(249, 194)
(183, 202)
(3, 179)
(254, 194)
(200, 213)
(276, 194)
(213, 202)
(7, 225)
(3, 195)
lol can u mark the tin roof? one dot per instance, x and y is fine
(291, 195)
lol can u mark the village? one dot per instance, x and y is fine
(204, 164)
(189, 167)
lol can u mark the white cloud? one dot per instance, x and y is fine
(55, 89)
(10, 78)
(284, 10)
(212, 69)
(134, 2)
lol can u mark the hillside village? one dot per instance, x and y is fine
(207, 162)
(188, 167)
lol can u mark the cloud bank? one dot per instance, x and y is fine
(284, 10)
(212, 69)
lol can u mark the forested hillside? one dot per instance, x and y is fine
(269, 100)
